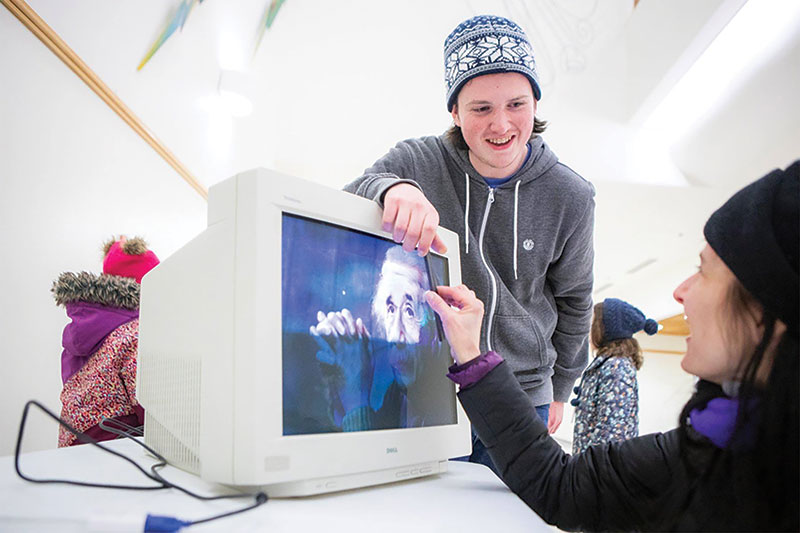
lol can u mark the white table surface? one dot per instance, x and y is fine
(468, 497)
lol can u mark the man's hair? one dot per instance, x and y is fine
(456, 137)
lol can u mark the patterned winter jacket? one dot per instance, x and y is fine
(608, 408)
(98, 364)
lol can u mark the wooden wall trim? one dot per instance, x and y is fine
(37, 26)
(674, 352)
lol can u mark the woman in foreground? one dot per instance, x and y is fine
(732, 464)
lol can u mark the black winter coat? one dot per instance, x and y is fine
(643, 484)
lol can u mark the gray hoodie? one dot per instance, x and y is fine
(526, 251)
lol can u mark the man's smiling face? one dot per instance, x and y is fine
(495, 113)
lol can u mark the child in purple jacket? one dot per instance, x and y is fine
(98, 364)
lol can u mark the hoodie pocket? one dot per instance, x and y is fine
(519, 341)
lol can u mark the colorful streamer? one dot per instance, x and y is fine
(266, 21)
(176, 23)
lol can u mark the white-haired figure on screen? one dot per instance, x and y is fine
(403, 333)
(400, 314)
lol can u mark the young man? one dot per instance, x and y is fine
(525, 219)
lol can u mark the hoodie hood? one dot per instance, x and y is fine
(541, 160)
(97, 305)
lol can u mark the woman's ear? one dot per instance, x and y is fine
(756, 313)
(778, 331)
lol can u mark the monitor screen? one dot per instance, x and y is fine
(362, 350)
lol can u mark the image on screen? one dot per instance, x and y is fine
(361, 348)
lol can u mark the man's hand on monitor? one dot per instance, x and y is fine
(344, 343)
(462, 314)
(412, 219)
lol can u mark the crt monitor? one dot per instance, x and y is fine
(288, 345)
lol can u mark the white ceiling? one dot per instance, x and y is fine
(336, 84)
(347, 78)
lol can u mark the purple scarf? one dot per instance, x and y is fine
(718, 420)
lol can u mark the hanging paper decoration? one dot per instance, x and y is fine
(176, 23)
(266, 21)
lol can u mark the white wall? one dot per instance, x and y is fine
(71, 174)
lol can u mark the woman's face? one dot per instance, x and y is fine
(711, 353)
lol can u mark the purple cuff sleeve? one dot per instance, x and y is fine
(473, 371)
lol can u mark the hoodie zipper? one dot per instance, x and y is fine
(490, 318)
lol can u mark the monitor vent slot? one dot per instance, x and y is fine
(172, 410)
(170, 447)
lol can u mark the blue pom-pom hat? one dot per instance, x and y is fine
(621, 320)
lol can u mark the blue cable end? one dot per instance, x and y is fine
(164, 524)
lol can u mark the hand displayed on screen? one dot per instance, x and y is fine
(412, 219)
(344, 343)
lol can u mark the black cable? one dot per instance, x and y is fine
(260, 497)
(162, 462)
(83, 438)
(120, 428)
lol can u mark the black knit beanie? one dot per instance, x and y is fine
(756, 234)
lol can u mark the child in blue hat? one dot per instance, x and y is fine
(607, 406)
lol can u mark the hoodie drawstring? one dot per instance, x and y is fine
(516, 218)
(466, 214)
(516, 221)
